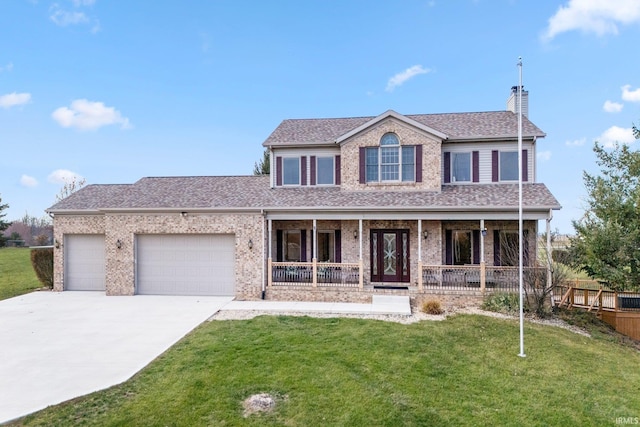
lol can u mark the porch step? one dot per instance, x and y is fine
(391, 304)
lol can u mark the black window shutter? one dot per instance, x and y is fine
(496, 248)
(278, 245)
(494, 166)
(448, 250)
(476, 247)
(418, 155)
(447, 167)
(338, 170)
(525, 165)
(338, 245)
(278, 170)
(312, 161)
(311, 235)
(475, 164)
(303, 170)
(303, 245)
(362, 160)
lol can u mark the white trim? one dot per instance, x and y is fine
(380, 215)
(397, 116)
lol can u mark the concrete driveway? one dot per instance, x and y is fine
(55, 346)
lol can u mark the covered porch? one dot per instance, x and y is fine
(417, 253)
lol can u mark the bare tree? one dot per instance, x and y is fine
(70, 187)
(538, 289)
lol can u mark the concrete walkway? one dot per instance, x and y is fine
(55, 346)
(381, 304)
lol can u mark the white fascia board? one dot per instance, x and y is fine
(382, 215)
(386, 114)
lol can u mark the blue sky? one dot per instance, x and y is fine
(113, 91)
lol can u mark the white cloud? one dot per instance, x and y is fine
(28, 181)
(13, 99)
(576, 142)
(630, 95)
(612, 107)
(63, 18)
(592, 16)
(616, 134)
(544, 156)
(7, 67)
(405, 75)
(63, 176)
(88, 115)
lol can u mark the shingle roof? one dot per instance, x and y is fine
(254, 193)
(457, 126)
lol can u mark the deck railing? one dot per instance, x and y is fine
(468, 277)
(597, 299)
(326, 274)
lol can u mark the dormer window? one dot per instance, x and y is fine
(390, 162)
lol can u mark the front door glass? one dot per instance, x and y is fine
(390, 256)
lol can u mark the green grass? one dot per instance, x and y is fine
(354, 372)
(16, 273)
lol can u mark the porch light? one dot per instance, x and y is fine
(119, 244)
(57, 244)
(183, 214)
(425, 234)
(484, 232)
(250, 244)
(355, 234)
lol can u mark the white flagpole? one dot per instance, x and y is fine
(520, 234)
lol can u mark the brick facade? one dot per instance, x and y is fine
(407, 135)
(120, 274)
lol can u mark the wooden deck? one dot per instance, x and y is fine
(619, 309)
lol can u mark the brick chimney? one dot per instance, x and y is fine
(512, 102)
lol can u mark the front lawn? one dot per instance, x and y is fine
(354, 372)
(16, 272)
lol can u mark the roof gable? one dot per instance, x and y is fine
(390, 114)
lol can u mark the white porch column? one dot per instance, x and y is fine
(549, 256)
(269, 260)
(420, 286)
(314, 255)
(483, 266)
(360, 262)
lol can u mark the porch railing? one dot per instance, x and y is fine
(326, 274)
(468, 277)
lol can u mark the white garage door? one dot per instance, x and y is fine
(186, 264)
(84, 256)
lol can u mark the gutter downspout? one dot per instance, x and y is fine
(550, 257)
(264, 250)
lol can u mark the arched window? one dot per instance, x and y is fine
(390, 162)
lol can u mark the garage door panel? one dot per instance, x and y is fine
(186, 264)
(84, 262)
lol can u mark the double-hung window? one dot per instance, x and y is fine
(325, 171)
(460, 167)
(291, 171)
(508, 166)
(390, 162)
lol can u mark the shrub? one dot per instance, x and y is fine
(502, 302)
(432, 306)
(42, 262)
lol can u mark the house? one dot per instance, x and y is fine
(402, 204)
